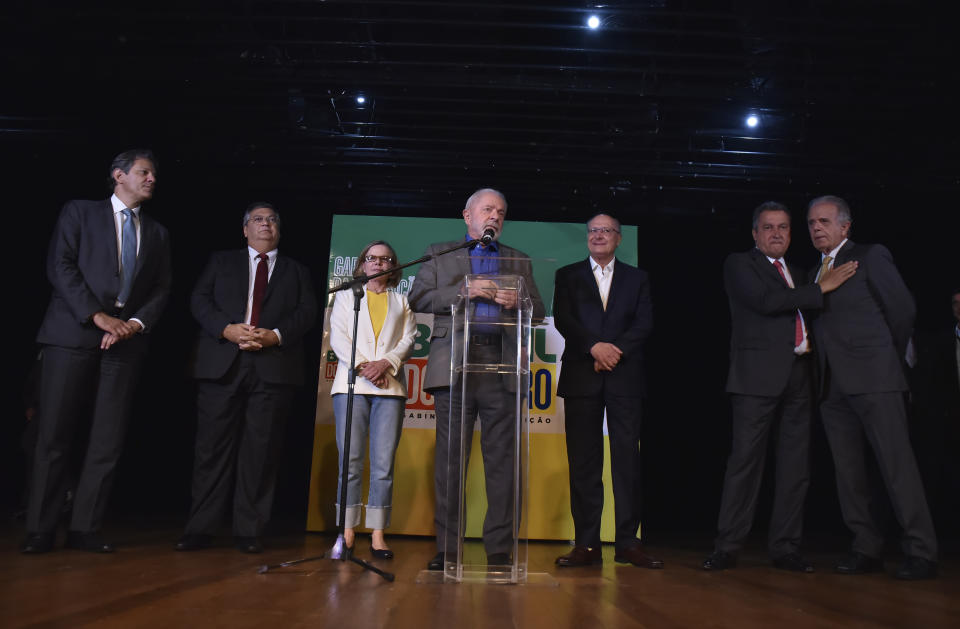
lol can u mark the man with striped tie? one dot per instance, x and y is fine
(770, 387)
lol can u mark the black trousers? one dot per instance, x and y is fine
(240, 427)
(789, 416)
(584, 436)
(77, 384)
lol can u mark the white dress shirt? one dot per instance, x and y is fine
(604, 277)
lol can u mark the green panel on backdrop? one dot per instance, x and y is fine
(550, 245)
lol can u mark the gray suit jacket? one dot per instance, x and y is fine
(437, 287)
(864, 326)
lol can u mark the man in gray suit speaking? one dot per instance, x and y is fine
(436, 287)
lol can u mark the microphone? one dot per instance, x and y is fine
(488, 235)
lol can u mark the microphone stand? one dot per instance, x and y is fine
(340, 550)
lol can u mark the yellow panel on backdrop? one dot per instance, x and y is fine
(550, 245)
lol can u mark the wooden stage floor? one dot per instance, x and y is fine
(147, 584)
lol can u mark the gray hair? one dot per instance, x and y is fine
(482, 191)
(768, 206)
(843, 210)
(610, 216)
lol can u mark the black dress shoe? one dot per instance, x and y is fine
(720, 560)
(915, 568)
(436, 563)
(90, 542)
(581, 556)
(793, 562)
(636, 556)
(194, 541)
(251, 545)
(36, 543)
(858, 563)
(499, 559)
(381, 553)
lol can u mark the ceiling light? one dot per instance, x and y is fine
(361, 100)
(593, 22)
(752, 121)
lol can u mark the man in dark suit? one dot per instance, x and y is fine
(254, 307)
(109, 265)
(602, 308)
(862, 333)
(771, 388)
(491, 397)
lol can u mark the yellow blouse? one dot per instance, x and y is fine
(377, 305)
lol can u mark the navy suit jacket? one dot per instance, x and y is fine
(579, 316)
(864, 327)
(83, 267)
(763, 311)
(220, 298)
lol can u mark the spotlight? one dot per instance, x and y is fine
(593, 22)
(361, 100)
(752, 121)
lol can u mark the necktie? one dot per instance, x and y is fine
(798, 326)
(128, 255)
(259, 290)
(824, 266)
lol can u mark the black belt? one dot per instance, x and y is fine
(484, 339)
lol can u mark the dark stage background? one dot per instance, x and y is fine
(643, 118)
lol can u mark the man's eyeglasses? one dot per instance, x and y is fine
(384, 259)
(260, 220)
(602, 230)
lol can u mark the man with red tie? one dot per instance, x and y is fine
(254, 307)
(770, 386)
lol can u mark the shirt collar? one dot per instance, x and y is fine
(254, 254)
(493, 246)
(833, 254)
(594, 265)
(118, 206)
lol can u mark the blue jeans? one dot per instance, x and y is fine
(380, 417)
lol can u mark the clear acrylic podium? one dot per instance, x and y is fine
(489, 377)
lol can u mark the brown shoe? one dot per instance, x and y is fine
(637, 557)
(581, 556)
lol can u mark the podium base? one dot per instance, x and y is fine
(484, 576)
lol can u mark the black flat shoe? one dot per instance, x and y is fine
(37, 543)
(251, 545)
(193, 541)
(381, 553)
(436, 563)
(915, 568)
(858, 563)
(720, 560)
(89, 542)
(793, 562)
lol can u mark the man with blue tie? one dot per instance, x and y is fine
(109, 264)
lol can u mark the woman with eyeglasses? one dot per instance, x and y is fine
(385, 338)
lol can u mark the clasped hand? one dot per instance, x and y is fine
(376, 372)
(249, 338)
(114, 329)
(605, 356)
(488, 289)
